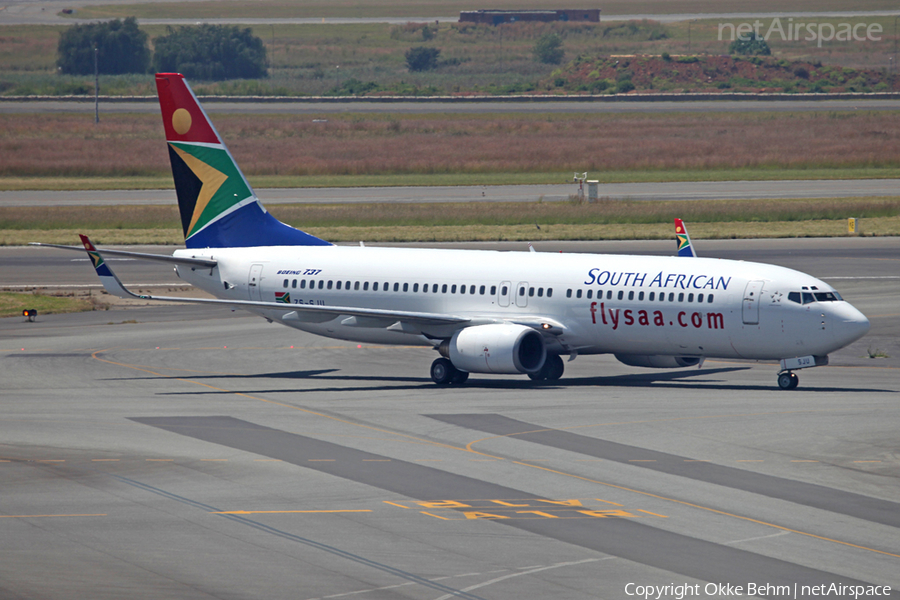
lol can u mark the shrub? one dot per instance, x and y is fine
(548, 49)
(211, 52)
(666, 56)
(752, 45)
(422, 58)
(121, 48)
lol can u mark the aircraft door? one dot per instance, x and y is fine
(752, 296)
(503, 293)
(253, 282)
(521, 292)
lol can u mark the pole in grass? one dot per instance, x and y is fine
(96, 89)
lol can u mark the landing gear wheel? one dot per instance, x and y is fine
(442, 371)
(552, 370)
(788, 380)
(459, 377)
(554, 367)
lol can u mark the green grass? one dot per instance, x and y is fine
(478, 221)
(13, 303)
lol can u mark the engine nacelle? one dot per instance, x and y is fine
(658, 361)
(499, 348)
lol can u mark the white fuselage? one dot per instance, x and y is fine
(636, 305)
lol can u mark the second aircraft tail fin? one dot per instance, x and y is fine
(218, 207)
(684, 240)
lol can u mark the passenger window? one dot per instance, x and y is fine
(681, 297)
(396, 287)
(462, 289)
(709, 299)
(356, 286)
(302, 284)
(375, 286)
(578, 294)
(405, 287)
(549, 292)
(330, 284)
(641, 296)
(481, 290)
(347, 286)
(453, 289)
(671, 296)
(530, 292)
(493, 290)
(444, 289)
(338, 285)
(521, 291)
(365, 286)
(631, 295)
(590, 294)
(294, 284)
(540, 292)
(690, 297)
(700, 298)
(568, 293)
(321, 283)
(415, 287)
(609, 295)
(472, 289)
(285, 283)
(434, 289)
(621, 294)
(503, 291)
(385, 287)
(652, 296)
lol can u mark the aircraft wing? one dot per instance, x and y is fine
(363, 317)
(191, 262)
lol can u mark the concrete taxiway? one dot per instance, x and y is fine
(190, 452)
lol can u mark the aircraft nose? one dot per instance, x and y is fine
(850, 324)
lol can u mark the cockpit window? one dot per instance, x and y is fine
(794, 297)
(807, 298)
(827, 296)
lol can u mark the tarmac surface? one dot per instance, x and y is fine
(190, 452)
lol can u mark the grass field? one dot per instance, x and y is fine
(64, 150)
(13, 303)
(478, 221)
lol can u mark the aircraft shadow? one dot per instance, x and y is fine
(669, 380)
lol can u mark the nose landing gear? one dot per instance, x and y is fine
(788, 380)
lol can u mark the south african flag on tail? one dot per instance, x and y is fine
(683, 239)
(218, 207)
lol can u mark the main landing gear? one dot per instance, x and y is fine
(444, 373)
(788, 380)
(552, 370)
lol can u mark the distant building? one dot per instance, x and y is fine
(496, 17)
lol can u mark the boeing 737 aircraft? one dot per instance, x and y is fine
(483, 311)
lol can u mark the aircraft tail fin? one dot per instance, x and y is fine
(684, 240)
(218, 207)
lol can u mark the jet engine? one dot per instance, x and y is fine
(658, 361)
(499, 348)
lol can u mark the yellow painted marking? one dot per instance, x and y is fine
(469, 448)
(652, 513)
(563, 502)
(608, 502)
(5, 461)
(160, 460)
(45, 516)
(395, 504)
(867, 461)
(537, 512)
(277, 512)
(484, 459)
(605, 514)
(474, 514)
(435, 516)
(502, 503)
(104, 460)
(696, 460)
(802, 461)
(444, 504)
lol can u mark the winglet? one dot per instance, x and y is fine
(684, 240)
(109, 280)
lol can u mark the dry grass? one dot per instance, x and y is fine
(63, 145)
(12, 303)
